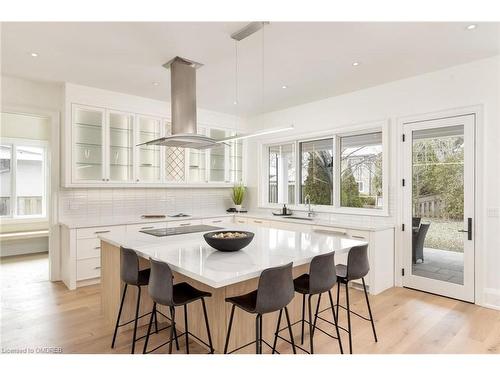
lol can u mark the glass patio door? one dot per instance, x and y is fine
(438, 206)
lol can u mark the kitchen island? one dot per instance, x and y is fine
(223, 274)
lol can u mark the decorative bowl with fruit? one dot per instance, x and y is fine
(228, 240)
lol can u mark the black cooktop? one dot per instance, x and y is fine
(162, 232)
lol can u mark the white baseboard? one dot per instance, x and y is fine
(491, 298)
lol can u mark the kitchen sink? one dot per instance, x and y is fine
(299, 218)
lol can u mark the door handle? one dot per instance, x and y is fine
(469, 229)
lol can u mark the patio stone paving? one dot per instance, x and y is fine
(441, 265)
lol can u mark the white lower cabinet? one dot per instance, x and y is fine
(218, 221)
(89, 268)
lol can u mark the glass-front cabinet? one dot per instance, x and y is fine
(148, 157)
(120, 146)
(88, 144)
(106, 148)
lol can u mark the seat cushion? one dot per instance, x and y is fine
(246, 302)
(143, 278)
(341, 270)
(185, 293)
(301, 284)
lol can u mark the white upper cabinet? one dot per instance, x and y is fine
(120, 146)
(88, 134)
(104, 149)
(148, 157)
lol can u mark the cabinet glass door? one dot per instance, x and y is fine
(217, 167)
(88, 125)
(148, 157)
(197, 163)
(120, 146)
(235, 160)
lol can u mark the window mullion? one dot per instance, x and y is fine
(13, 182)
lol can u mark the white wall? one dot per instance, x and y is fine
(476, 83)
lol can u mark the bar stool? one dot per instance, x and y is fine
(321, 279)
(274, 293)
(130, 275)
(357, 268)
(163, 292)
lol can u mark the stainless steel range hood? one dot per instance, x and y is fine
(183, 100)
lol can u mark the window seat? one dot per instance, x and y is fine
(24, 235)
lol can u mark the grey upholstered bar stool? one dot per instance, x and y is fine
(131, 275)
(321, 279)
(163, 292)
(357, 268)
(274, 293)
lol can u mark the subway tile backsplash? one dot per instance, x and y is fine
(85, 204)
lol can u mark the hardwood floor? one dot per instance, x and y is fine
(39, 314)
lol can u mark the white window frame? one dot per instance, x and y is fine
(380, 126)
(13, 217)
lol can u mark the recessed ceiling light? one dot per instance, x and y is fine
(471, 27)
(235, 102)
(34, 54)
(284, 87)
(355, 63)
(156, 84)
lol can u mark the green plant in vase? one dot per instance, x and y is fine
(238, 195)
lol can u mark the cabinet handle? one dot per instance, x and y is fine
(216, 221)
(147, 227)
(97, 248)
(185, 224)
(257, 221)
(137, 180)
(359, 237)
(102, 231)
(97, 268)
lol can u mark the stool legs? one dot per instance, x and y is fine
(290, 330)
(348, 316)
(119, 315)
(153, 314)
(310, 325)
(277, 331)
(172, 329)
(136, 317)
(207, 325)
(335, 321)
(186, 327)
(258, 324)
(369, 310)
(303, 319)
(229, 329)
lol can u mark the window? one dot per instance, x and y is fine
(361, 170)
(23, 179)
(343, 172)
(316, 171)
(281, 181)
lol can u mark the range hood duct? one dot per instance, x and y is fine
(183, 101)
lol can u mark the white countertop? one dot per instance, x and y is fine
(190, 255)
(337, 223)
(126, 220)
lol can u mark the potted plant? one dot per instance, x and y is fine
(238, 195)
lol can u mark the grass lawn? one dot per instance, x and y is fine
(443, 234)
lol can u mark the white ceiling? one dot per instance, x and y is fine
(313, 59)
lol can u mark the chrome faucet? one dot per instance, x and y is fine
(307, 200)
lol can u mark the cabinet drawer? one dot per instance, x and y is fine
(260, 222)
(88, 268)
(134, 228)
(183, 223)
(218, 220)
(94, 232)
(240, 220)
(358, 235)
(88, 248)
